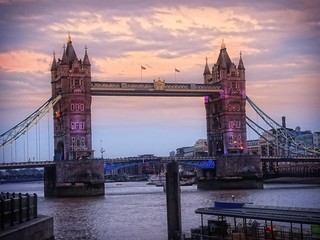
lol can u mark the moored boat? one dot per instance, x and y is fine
(228, 204)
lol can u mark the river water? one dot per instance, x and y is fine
(134, 210)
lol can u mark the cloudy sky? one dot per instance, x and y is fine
(279, 41)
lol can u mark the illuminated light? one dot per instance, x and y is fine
(57, 114)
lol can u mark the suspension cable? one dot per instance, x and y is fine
(290, 136)
(250, 122)
(15, 132)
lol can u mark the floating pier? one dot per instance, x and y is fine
(236, 222)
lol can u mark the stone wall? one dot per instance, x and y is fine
(238, 166)
(75, 178)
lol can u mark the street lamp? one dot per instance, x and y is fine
(101, 149)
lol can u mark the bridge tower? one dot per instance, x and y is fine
(226, 113)
(75, 172)
(72, 115)
(226, 127)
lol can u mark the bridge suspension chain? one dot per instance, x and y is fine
(255, 127)
(21, 128)
(284, 133)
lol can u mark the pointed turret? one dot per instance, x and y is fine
(86, 61)
(54, 63)
(241, 66)
(71, 54)
(224, 60)
(64, 59)
(241, 69)
(207, 76)
(206, 68)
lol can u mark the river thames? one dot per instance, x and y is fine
(135, 210)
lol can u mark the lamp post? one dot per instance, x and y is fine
(101, 149)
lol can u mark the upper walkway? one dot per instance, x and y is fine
(156, 88)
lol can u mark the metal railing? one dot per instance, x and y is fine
(17, 208)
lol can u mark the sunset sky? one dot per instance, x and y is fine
(279, 41)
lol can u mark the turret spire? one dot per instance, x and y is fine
(54, 62)
(64, 59)
(223, 45)
(240, 65)
(86, 58)
(69, 38)
(224, 60)
(206, 68)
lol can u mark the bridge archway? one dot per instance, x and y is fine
(219, 148)
(59, 153)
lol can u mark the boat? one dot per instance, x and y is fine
(187, 182)
(228, 204)
(157, 179)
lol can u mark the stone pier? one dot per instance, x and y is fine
(75, 178)
(233, 172)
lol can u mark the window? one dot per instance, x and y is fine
(73, 141)
(77, 106)
(77, 125)
(234, 85)
(234, 124)
(235, 107)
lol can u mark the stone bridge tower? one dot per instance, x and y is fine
(72, 115)
(225, 112)
(75, 173)
(226, 128)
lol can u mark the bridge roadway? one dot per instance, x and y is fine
(156, 88)
(39, 164)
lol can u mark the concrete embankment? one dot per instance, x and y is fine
(40, 228)
(294, 180)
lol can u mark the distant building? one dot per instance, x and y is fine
(172, 154)
(254, 147)
(185, 152)
(201, 148)
(316, 138)
(277, 142)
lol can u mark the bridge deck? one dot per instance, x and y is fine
(32, 164)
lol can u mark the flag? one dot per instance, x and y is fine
(177, 70)
(143, 68)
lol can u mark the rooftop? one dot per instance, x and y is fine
(280, 214)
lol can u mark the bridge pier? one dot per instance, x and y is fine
(232, 172)
(74, 178)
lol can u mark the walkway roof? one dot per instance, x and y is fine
(279, 214)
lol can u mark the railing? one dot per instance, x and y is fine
(17, 208)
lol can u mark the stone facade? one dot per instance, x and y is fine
(75, 173)
(225, 112)
(71, 78)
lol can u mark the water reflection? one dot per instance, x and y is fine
(138, 211)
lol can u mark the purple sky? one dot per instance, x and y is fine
(279, 41)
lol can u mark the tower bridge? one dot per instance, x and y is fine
(224, 91)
